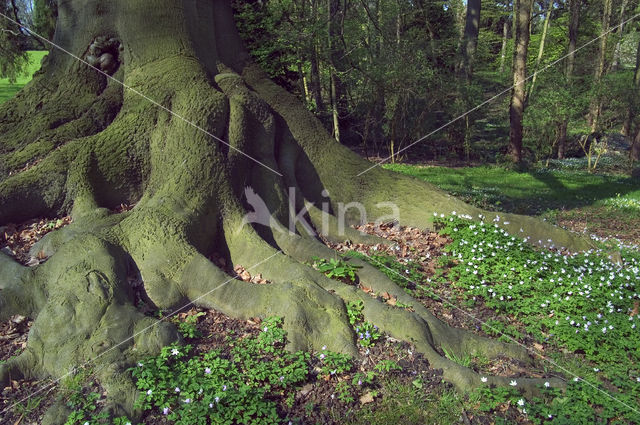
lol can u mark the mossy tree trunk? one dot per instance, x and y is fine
(99, 143)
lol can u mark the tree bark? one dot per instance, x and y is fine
(615, 64)
(516, 111)
(574, 22)
(194, 125)
(316, 83)
(503, 48)
(631, 114)
(596, 104)
(545, 28)
(339, 104)
(470, 38)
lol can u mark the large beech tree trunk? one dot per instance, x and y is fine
(160, 141)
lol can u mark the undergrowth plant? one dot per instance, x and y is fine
(406, 275)
(336, 268)
(85, 405)
(583, 303)
(213, 387)
(368, 333)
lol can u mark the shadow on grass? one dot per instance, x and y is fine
(530, 193)
(7, 91)
(575, 191)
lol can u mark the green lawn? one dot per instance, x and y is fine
(8, 90)
(531, 192)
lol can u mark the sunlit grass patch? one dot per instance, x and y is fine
(531, 192)
(8, 89)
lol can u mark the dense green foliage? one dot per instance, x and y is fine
(583, 303)
(193, 388)
(8, 89)
(397, 64)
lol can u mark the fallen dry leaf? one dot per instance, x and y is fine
(366, 398)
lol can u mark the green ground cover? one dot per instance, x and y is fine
(582, 309)
(532, 192)
(8, 89)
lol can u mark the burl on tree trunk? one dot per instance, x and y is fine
(175, 139)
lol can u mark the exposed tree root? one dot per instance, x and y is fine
(191, 193)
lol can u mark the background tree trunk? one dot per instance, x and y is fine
(339, 103)
(574, 22)
(615, 63)
(516, 111)
(470, 38)
(503, 49)
(634, 153)
(596, 103)
(545, 28)
(316, 82)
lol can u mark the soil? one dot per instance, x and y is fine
(316, 401)
(602, 222)
(17, 239)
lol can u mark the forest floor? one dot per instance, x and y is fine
(390, 382)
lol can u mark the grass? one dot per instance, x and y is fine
(604, 204)
(531, 192)
(8, 90)
(409, 404)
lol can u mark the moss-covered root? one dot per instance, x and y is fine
(419, 327)
(18, 367)
(312, 316)
(20, 293)
(88, 319)
(409, 326)
(38, 191)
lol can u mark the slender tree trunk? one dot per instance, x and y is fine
(631, 114)
(574, 22)
(470, 39)
(545, 29)
(596, 103)
(634, 154)
(616, 54)
(339, 104)
(503, 49)
(398, 23)
(516, 110)
(316, 83)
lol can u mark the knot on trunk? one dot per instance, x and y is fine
(105, 54)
